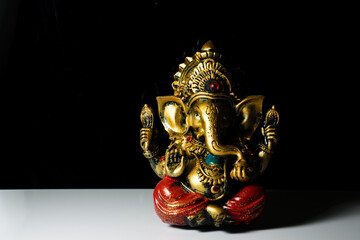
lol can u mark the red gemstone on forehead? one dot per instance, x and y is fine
(214, 86)
(189, 138)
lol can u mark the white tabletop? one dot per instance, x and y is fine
(128, 214)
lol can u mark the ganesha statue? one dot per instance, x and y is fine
(209, 168)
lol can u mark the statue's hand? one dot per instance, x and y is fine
(173, 156)
(146, 131)
(174, 162)
(270, 129)
(241, 171)
(270, 134)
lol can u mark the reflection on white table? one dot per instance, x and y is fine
(108, 214)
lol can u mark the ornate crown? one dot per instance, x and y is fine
(202, 73)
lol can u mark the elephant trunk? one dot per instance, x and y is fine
(213, 144)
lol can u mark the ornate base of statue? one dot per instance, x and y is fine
(208, 168)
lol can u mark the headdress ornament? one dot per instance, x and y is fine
(202, 72)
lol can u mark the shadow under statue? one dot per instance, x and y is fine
(297, 207)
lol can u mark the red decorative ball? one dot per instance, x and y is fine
(214, 86)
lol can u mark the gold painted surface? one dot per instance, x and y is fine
(205, 117)
(204, 179)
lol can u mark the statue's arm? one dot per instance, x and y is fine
(270, 134)
(150, 151)
(250, 167)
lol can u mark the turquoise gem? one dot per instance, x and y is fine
(212, 159)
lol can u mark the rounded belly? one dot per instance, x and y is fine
(207, 181)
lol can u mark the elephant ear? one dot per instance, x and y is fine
(172, 112)
(249, 113)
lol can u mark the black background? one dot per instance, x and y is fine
(78, 73)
